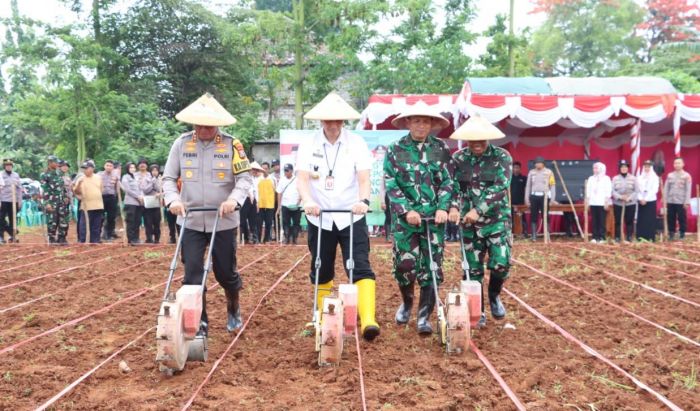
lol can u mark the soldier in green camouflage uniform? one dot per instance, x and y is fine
(56, 202)
(483, 172)
(419, 185)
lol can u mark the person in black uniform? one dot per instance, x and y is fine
(517, 193)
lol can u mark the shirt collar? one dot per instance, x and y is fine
(321, 137)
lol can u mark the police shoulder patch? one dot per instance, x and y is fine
(240, 161)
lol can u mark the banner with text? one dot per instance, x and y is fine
(377, 142)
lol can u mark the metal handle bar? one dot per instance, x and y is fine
(178, 248)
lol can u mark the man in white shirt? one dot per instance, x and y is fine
(289, 201)
(333, 172)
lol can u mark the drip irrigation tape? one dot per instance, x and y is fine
(603, 300)
(516, 401)
(284, 275)
(657, 267)
(594, 353)
(83, 377)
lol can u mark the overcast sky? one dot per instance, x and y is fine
(55, 12)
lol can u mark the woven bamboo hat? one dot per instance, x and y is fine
(332, 107)
(420, 109)
(206, 111)
(477, 128)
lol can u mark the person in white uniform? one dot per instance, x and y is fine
(333, 172)
(598, 193)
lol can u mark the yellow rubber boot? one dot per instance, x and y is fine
(323, 291)
(365, 305)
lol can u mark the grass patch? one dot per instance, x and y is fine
(62, 253)
(610, 383)
(690, 381)
(69, 348)
(28, 318)
(152, 255)
(411, 381)
(7, 376)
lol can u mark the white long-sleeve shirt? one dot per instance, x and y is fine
(648, 186)
(599, 188)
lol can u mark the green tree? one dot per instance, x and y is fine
(418, 57)
(587, 37)
(496, 60)
(324, 39)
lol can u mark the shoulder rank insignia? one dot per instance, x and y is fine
(240, 161)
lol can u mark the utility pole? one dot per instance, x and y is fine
(511, 54)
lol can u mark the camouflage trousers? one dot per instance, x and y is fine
(478, 243)
(57, 221)
(411, 256)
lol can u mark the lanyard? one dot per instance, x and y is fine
(330, 169)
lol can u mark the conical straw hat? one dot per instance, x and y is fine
(477, 128)
(332, 107)
(423, 110)
(206, 111)
(256, 166)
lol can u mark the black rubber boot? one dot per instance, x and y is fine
(498, 311)
(62, 241)
(204, 321)
(426, 303)
(403, 314)
(533, 232)
(482, 319)
(234, 311)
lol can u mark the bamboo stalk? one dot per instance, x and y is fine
(121, 214)
(86, 216)
(571, 201)
(622, 221)
(14, 212)
(585, 211)
(545, 219)
(664, 208)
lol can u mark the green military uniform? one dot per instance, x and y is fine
(54, 194)
(483, 186)
(483, 172)
(417, 179)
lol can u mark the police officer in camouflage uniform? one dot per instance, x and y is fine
(418, 180)
(56, 202)
(483, 172)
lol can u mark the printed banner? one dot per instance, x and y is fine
(377, 141)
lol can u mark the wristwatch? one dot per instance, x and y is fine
(364, 200)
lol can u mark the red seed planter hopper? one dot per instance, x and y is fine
(180, 314)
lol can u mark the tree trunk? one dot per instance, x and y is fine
(97, 31)
(511, 54)
(298, 10)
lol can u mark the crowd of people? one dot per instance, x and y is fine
(430, 195)
(97, 196)
(633, 200)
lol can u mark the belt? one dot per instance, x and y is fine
(538, 193)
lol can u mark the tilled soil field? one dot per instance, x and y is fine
(589, 327)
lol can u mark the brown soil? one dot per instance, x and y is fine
(274, 366)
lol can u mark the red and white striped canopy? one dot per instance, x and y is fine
(540, 119)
